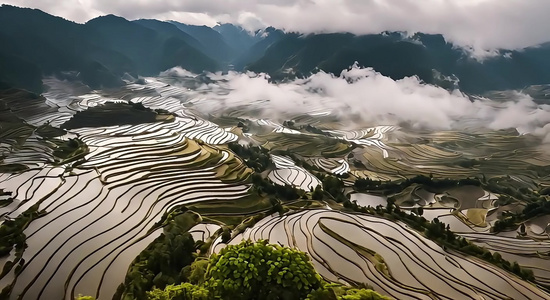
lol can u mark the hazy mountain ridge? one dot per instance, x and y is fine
(260, 43)
(213, 43)
(396, 56)
(237, 37)
(102, 50)
(63, 46)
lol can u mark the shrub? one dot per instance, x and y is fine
(184, 291)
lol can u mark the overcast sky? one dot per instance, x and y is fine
(481, 24)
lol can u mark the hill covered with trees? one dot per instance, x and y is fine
(254, 271)
(106, 48)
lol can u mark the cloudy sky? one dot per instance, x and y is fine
(480, 24)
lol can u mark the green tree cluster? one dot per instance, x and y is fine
(394, 187)
(256, 158)
(162, 262)
(184, 291)
(338, 292)
(283, 192)
(334, 186)
(259, 271)
(318, 193)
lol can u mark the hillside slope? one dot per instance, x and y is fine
(36, 44)
(429, 57)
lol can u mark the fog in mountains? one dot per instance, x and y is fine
(108, 48)
(363, 94)
(480, 25)
(396, 79)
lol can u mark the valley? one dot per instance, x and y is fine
(91, 180)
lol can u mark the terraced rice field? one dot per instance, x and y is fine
(333, 166)
(530, 253)
(97, 214)
(395, 260)
(288, 173)
(95, 192)
(303, 144)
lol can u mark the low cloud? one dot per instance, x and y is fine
(360, 96)
(544, 132)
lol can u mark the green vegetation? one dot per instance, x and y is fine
(332, 188)
(315, 130)
(261, 271)
(161, 263)
(394, 187)
(258, 271)
(512, 220)
(11, 232)
(184, 291)
(12, 237)
(69, 151)
(282, 192)
(167, 261)
(256, 158)
(111, 114)
(5, 197)
(48, 131)
(441, 233)
(233, 212)
(339, 292)
(537, 203)
(100, 51)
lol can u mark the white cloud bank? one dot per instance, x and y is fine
(479, 24)
(363, 94)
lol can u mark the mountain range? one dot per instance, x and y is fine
(103, 50)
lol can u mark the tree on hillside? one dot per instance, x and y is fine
(261, 271)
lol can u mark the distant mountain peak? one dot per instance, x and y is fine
(108, 18)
